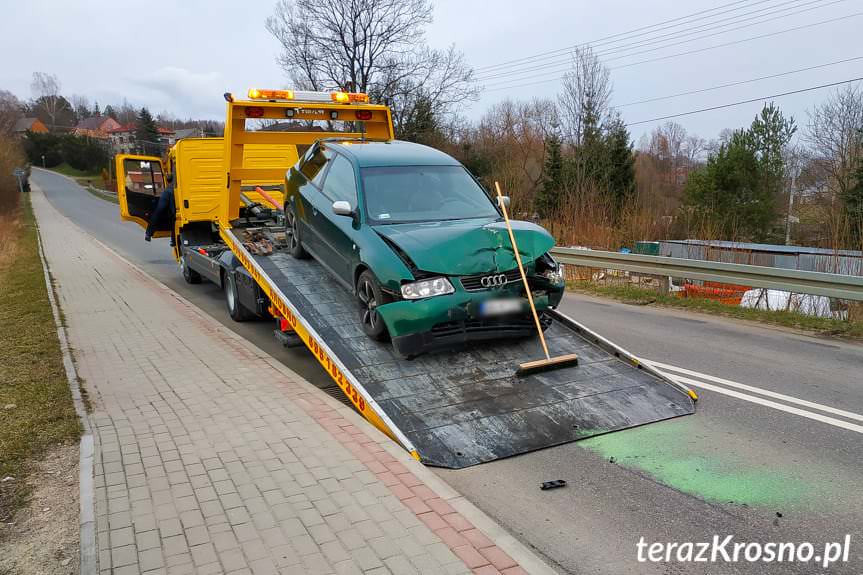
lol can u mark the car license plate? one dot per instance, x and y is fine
(494, 307)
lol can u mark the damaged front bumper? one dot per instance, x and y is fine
(420, 326)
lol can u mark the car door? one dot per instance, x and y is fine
(309, 198)
(337, 232)
(140, 182)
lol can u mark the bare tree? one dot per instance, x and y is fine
(46, 92)
(373, 46)
(11, 110)
(586, 95)
(513, 136)
(80, 105)
(835, 134)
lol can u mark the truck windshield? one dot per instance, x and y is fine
(402, 194)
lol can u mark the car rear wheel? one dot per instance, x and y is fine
(371, 296)
(292, 234)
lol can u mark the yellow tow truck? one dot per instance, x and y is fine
(451, 409)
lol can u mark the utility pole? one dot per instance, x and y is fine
(790, 205)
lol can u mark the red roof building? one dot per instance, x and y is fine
(96, 127)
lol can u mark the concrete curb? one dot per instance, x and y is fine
(87, 494)
(527, 559)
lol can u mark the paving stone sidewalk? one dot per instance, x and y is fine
(211, 457)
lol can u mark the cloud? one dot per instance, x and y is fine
(181, 92)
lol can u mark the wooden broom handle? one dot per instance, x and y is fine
(521, 270)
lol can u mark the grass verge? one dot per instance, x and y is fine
(641, 296)
(36, 410)
(85, 179)
(68, 170)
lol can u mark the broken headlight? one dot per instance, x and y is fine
(549, 269)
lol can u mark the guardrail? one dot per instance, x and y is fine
(796, 281)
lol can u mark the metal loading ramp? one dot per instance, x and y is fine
(465, 407)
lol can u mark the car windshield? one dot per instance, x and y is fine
(401, 194)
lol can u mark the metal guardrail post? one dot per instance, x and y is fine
(804, 282)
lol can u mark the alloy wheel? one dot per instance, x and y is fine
(291, 230)
(367, 296)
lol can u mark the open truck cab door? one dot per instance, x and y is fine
(140, 182)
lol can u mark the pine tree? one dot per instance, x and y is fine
(96, 110)
(109, 111)
(147, 134)
(730, 191)
(619, 163)
(550, 196)
(770, 132)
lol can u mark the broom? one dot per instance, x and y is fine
(549, 362)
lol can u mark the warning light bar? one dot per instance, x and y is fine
(348, 97)
(256, 94)
(338, 97)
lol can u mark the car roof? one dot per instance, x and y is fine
(391, 153)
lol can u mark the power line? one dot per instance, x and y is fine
(761, 99)
(568, 48)
(565, 57)
(567, 63)
(751, 38)
(493, 87)
(741, 82)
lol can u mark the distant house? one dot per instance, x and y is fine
(187, 133)
(167, 137)
(25, 125)
(96, 127)
(123, 139)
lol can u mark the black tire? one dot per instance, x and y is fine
(236, 310)
(292, 234)
(545, 320)
(370, 296)
(190, 275)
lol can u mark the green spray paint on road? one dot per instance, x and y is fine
(679, 455)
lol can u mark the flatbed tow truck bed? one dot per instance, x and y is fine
(465, 406)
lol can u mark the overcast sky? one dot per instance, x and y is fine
(181, 56)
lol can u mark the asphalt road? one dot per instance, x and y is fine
(750, 464)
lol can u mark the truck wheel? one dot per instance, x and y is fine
(292, 234)
(190, 275)
(370, 296)
(232, 300)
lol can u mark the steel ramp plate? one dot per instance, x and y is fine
(461, 409)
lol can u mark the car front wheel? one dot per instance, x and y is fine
(371, 296)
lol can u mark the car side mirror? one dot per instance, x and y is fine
(342, 208)
(503, 200)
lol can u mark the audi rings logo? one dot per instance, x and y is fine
(498, 280)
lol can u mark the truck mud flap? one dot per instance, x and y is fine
(464, 407)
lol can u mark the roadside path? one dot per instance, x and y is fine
(212, 457)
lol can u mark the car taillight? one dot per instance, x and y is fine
(254, 112)
(364, 114)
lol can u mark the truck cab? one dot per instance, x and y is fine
(240, 176)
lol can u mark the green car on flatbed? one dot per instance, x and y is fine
(424, 248)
